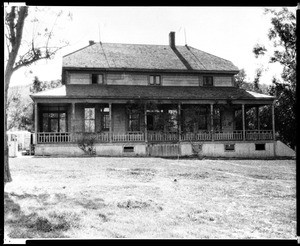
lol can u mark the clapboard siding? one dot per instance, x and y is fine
(79, 78)
(222, 81)
(143, 79)
(126, 79)
(180, 80)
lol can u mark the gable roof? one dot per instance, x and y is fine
(150, 92)
(146, 57)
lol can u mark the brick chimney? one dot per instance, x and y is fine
(91, 42)
(172, 39)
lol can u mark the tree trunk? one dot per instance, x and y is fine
(7, 175)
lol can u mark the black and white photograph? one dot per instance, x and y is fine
(149, 122)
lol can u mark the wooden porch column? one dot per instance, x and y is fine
(36, 122)
(257, 118)
(212, 121)
(273, 120)
(179, 122)
(73, 118)
(110, 123)
(145, 123)
(243, 119)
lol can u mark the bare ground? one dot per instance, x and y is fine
(150, 198)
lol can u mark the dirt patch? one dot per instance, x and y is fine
(136, 204)
(143, 174)
(202, 175)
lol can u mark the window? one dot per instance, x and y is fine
(97, 78)
(155, 120)
(155, 80)
(202, 122)
(128, 149)
(208, 81)
(260, 146)
(54, 119)
(172, 120)
(134, 120)
(89, 119)
(229, 147)
(217, 119)
(105, 119)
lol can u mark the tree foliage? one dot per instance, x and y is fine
(283, 37)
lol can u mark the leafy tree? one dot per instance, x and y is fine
(256, 86)
(283, 36)
(240, 78)
(23, 51)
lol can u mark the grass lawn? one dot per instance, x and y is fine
(150, 198)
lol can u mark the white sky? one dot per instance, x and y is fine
(227, 32)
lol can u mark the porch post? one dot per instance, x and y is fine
(212, 121)
(273, 120)
(110, 123)
(145, 123)
(179, 122)
(36, 122)
(73, 118)
(243, 119)
(257, 118)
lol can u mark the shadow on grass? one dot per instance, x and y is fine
(21, 225)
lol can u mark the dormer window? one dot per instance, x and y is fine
(155, 80)
(97, 78)
(208, 81)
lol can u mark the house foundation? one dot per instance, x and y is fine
(203, 149)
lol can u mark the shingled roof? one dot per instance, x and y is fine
(146, 57)
(150, 92)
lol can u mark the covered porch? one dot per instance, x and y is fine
(173, 122)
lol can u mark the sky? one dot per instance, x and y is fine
(227, 32)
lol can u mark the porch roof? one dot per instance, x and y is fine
(150, 92)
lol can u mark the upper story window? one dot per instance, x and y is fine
(155, 80)
(97, 79)
(208, 81)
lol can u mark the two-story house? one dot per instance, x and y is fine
(150, 100)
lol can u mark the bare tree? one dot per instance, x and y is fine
(22, 53)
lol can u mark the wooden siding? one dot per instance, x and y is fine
(223, 81)
(126, 79)
(79, 78)
(142, 79)
(180, 80)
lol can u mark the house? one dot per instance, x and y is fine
(151, 100)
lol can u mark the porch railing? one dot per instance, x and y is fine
(105, 137)
(153, 136)
(259, 134)
(128, 137)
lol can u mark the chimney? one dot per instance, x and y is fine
(172, 39)
(91, 42)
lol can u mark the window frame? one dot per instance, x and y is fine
(259, 145)
(104, 119)
(96, 75)
(205, 80)
(226, 149)
(47, 110)
(203, 113)
(154, 77)
(131, 119)
(89, 119)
